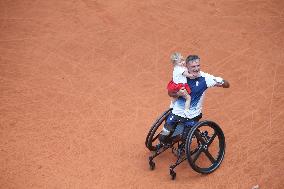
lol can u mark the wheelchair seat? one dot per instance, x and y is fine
(178, 131)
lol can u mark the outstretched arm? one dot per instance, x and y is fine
(224, 83)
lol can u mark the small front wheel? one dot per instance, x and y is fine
(173, 174)
(152, 165)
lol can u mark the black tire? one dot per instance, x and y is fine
(199, 142)
(152, 135)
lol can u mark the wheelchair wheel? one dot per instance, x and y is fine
(205, 147)
(152, 137)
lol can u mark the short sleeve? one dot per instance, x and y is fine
(211, 80)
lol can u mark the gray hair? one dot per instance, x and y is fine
(192, 58)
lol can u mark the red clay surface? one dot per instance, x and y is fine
(82, 81)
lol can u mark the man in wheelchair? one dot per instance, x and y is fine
(187, 131)
(198, 85)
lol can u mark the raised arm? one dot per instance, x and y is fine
(187, 74)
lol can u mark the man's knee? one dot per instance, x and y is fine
(166, 132)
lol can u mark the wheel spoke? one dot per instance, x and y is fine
(210, 157)
(199, 137)
(197, 154)
(212, 138)
(194, 151)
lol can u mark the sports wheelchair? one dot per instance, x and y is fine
(202, 145)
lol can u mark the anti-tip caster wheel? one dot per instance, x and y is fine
(173, 174)
(152, 165)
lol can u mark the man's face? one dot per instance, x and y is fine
(194, 67)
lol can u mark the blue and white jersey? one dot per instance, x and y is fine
(198, 87)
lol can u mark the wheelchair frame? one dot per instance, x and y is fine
(185, 149)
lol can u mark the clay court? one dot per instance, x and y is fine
(82, 81)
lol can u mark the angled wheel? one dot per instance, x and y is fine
(152, 137)
(205, 147)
